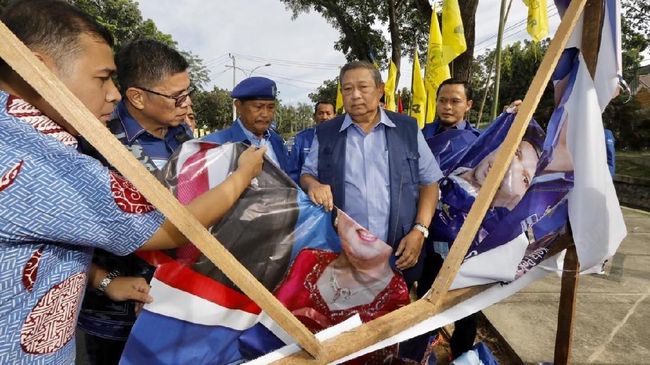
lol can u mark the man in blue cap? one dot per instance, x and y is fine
(255, 103)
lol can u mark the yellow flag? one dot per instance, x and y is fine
(453, 34)
(537, 19)
(389, 88)
(339, 99)
(419, 95)
(436, 71)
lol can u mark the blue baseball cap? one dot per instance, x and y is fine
(255, 88)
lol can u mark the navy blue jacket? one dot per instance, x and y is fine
(301, 147)
(403, 158)
(435, 128)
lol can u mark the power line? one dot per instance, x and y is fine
(511, 30)
(291, 63)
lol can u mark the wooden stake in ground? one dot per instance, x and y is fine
(590, 46)
(23, 61)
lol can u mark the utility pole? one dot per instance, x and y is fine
(234, 82)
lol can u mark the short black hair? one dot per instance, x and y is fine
(146, 62)
(361, 65)
(469, 92)
(321, 102)
(52, 27)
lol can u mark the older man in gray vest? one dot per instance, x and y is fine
(377, 167)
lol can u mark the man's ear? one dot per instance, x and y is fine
(48, 61)
(135, 97)
(470, 104)
(238, 105)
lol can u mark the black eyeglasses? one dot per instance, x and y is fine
(178, 100)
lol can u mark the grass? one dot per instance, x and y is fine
(635, 164)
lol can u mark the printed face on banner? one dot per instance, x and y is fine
(324, 267)
(529, 209)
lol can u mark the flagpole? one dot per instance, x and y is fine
(487, 79)
(412, 79)
(497, 75)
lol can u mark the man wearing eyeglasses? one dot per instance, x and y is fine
(150, 122)
(155, 87)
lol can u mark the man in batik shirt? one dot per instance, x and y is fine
(57, 204)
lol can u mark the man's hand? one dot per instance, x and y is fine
(321, 194)
(124, 288)
(251, 161)
(513, 107)
(409, 250)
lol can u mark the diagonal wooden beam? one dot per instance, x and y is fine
(440, 297)
(505, 153)
(397, 321)
(23, 61)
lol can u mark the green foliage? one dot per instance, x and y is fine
(199, 74)
(519, 63)
(354, 19)
(630, 123)
(360, 21)
(325, 92)
(292, 119)
(124, 20)
(405, 93)
(636, 35)
(213, 109)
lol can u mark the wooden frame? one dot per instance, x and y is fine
(21, 59)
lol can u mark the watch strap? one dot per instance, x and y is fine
(107, 280)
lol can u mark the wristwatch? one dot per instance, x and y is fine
(422, 228)
(107, 280)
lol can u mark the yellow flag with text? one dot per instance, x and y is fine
(537, 19)
(419, 94)
(389, 88)
(339, 99)
(453, 33)
(436, 71)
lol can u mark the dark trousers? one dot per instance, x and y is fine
(101, 351)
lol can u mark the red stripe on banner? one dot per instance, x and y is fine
(183, 278)
(193, 180)
(154, 258)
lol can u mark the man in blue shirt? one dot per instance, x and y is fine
(323, 111)
(255, 104)
(58, 204)
(454, 101)
(149, 121)
(376, 166)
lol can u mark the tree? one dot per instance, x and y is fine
(520, 62)
(628, 119)
(291, 119)
(124, 19)
(213, 109)
(407, 21)
(325, 92)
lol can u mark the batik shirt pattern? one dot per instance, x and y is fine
(56, 205)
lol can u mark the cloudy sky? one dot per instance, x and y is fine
(300, 51)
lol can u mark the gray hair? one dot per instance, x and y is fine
(354, 65)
